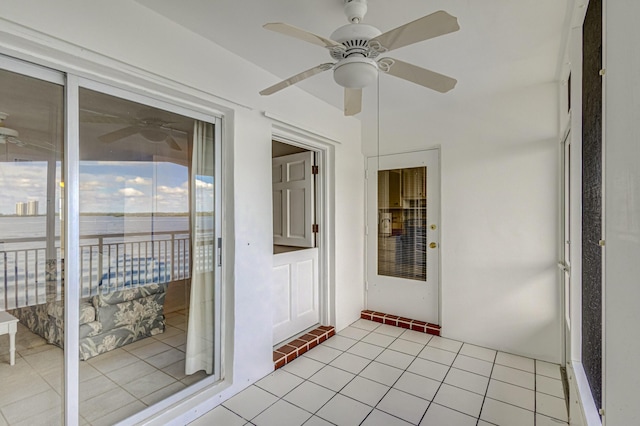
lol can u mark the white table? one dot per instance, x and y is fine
(9, 324)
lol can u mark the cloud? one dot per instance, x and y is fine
(172, 190)
(139, 181)
(130, 192)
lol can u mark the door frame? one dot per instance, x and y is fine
(438, 222)
(324, 158)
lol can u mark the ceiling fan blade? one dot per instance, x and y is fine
(172, 143)
(88, 116)
(352, 101)
(430, 26)
(296, 78)
(301, 34)
(119, 134)
(427, 78)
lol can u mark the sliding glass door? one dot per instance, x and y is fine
(143, 279)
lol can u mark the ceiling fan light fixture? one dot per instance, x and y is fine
(355, 72)
(153, 135)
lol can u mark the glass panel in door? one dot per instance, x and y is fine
(402, 218)
(31, 250)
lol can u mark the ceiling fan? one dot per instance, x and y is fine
(356, 46)
(7, 134)
(151, 128)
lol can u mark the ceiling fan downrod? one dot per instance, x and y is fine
(355, 10)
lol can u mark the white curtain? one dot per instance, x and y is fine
(200, 331)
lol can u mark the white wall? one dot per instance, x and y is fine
(621, 374)
(122, 43)
(499, 168)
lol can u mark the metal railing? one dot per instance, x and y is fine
(108, 263)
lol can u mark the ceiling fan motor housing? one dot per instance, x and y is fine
(355, 10)
(355, 68)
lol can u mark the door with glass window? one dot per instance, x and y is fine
(403, 235)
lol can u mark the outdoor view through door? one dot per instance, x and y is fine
(403, 235)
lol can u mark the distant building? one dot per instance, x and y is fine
(21, 209)
(32, 208)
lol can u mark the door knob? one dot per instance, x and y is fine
(433, 245)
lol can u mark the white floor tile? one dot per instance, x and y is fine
(512, 394)
(150, 383)
(309, 396)
(395, 359)
(403, 405)
(365, 390)
(473, 365)
(166, 358)
(390, 330)
(279, 382)
(344, 411)
(416, 336)
(282, 413)
(548, 421)
(417, 385)
(250, 402)
(549, 386)
(378, 339)
(151, 349)
(317, 421)
(551, 406)
(446, 344)
(366, 324)
(548, 369)
(32, 406)
(381, 373)
(437, 355)
(516, 361)
(513, 376)
(303, 367)
(350, 362)
(407, 347)
(332, 378)
(119, 413)
(427, 368)
(459, 400)
(365, 350)
(353, 333)
(503, 414)
(437, 415)
(380, 418)
(339, 342)
(323, 354)
(219, 416)
(478, 352)
(469, 381)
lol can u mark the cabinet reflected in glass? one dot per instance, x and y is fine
(402, 223)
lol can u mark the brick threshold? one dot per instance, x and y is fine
(409, 324)
(292, 350)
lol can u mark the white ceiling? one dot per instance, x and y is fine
(503, 46)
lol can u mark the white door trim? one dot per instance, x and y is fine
(325, 211)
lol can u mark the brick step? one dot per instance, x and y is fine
(287, 353)
(410, 324)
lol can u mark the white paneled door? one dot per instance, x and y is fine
(403, 235)
(293, 200)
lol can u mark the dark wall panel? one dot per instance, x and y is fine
(592, 199)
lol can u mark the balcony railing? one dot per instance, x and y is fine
(107, 263)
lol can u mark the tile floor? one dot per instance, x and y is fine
(128, 378)
(376, 374)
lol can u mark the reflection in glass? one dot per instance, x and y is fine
(147, 244)
(402, 223)
(31, 258)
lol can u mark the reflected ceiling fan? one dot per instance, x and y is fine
(151, 128)
(356, 46)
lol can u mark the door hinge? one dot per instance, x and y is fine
(314, 170)
(366, 174)
(314, 228)
(219, 251)
(366, 285)
(601, 243)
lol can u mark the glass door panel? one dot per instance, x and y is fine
(148, 262)
(31, 254)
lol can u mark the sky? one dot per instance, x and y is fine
(109, 187)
